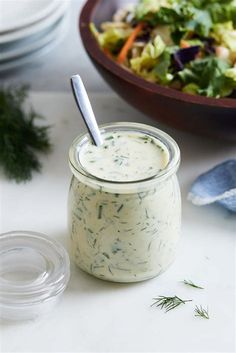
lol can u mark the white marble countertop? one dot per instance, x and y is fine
(96, 316)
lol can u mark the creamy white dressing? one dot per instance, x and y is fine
(131, 236)
(125, 156)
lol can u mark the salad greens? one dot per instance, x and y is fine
(189, 45)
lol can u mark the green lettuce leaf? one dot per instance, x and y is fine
(204, 3)
(113, 38)
(149, 56)
(145, 8)
(191, 88)
(162, 68)
(209, 75)
(201, 22)
(163, 11)
(230, 75)
(186, 15)
(223, 11)
(225, 34)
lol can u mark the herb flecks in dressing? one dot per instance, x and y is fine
(125, 156)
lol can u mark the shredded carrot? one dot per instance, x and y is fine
(107, 52)
(199, 55)
(128, 44)
(184, 44)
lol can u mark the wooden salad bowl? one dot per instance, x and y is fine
(196, 114)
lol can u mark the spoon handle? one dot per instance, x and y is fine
(85, 108)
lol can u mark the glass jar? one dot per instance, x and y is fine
(124, 231)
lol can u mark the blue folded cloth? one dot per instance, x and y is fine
(217, 185)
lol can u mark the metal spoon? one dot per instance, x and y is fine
(84, 105)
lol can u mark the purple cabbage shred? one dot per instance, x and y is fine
(184, 56)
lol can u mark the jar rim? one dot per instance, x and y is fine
(171, 167)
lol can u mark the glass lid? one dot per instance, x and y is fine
(34, 272)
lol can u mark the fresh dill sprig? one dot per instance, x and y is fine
(20, 138)
(201, 312)
(169, 303)
(191, 284)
